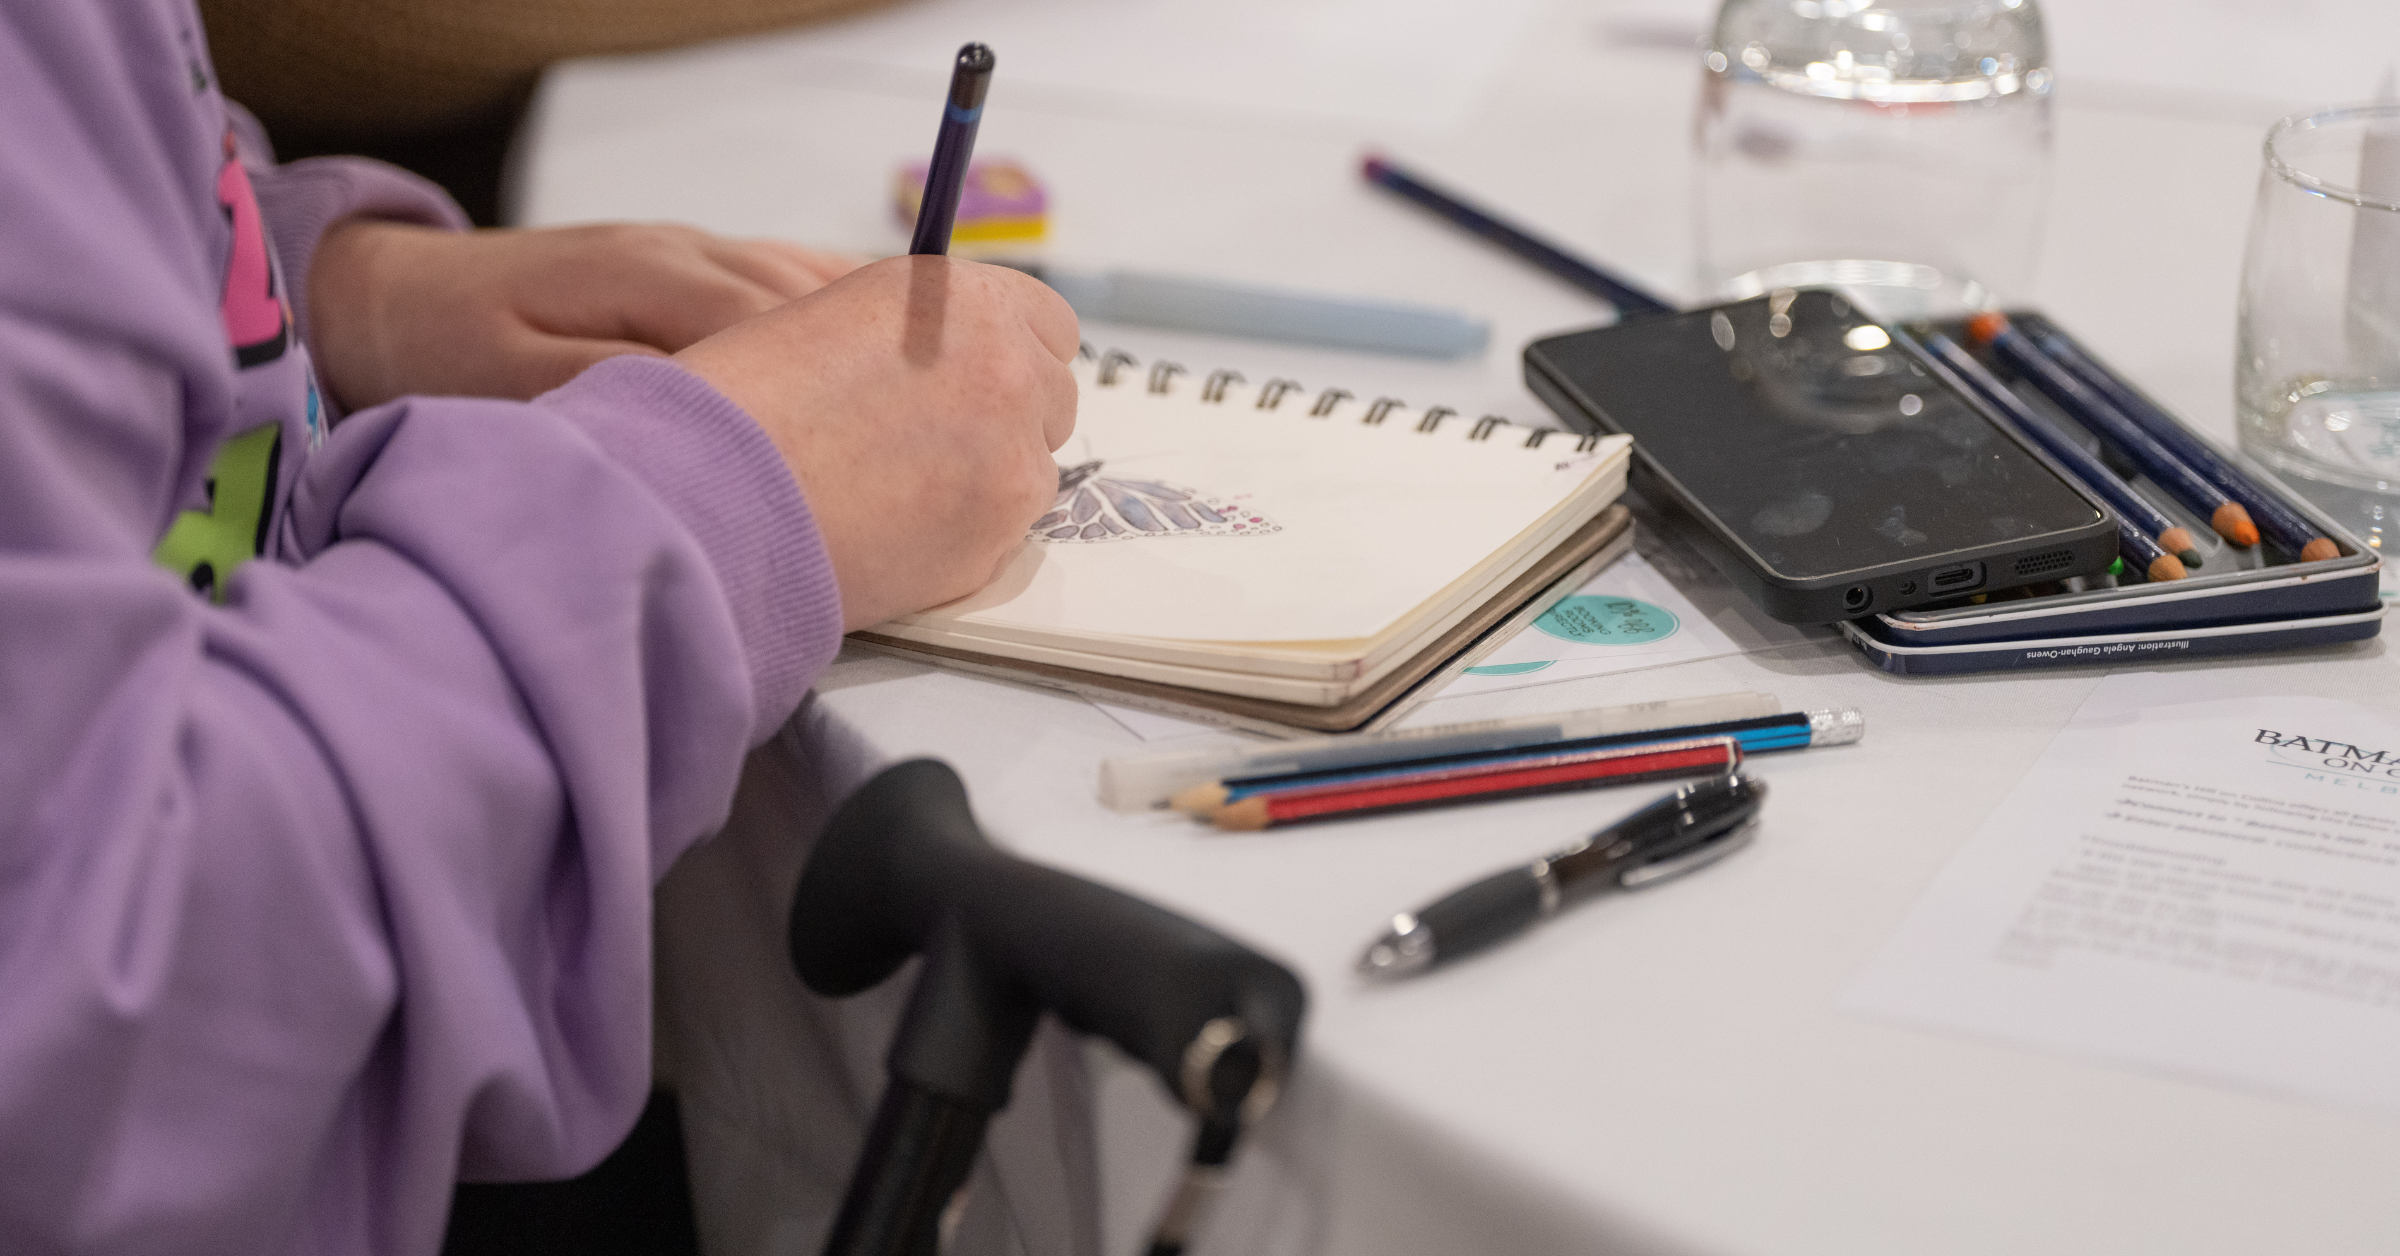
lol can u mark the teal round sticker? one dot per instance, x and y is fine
(1510, 669)
(1608, 621)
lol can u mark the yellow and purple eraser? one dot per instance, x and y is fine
(1001, 203)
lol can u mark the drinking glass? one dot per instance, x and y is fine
(2317, 376)
(1897, 148)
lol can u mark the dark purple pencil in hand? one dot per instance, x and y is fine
(953, 145)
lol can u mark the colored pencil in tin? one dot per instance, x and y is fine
(2151, 523)
(2086, 405)
(2279, 524)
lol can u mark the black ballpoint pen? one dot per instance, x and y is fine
(1689, 829)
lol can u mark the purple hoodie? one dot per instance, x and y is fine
(325, 876)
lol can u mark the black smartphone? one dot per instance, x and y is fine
(1834, 469)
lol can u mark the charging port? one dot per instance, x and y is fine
(1856, 597)
(1955, 579)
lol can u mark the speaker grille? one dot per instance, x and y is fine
(2036, 564)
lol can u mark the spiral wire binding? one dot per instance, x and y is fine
(1215, 385)
(1110, 363)
(1271, 396)
(1218, 381)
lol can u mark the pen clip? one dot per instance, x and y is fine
(1708, 852)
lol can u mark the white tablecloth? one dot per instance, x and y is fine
(1662, 1074)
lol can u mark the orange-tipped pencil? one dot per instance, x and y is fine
(2130, 507)
(2283, 527)
(2095, 411)
(2179, 542)
(2144, 555)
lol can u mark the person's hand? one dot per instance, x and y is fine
(917, 401)
(396, 309)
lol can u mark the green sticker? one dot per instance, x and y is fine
(1510, 669)
(1608, 621)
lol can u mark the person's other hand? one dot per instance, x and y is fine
(397, 309)
(917, 400)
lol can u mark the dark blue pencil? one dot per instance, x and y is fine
(1631, 301)
(946, 176)
(2146, 521)
(2282, 526)
(2087, 406)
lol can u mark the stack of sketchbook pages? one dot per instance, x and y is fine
(1273, 557)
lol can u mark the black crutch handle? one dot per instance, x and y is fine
(903, 868)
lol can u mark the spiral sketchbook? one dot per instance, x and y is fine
(1271, 541)
(1382, 704)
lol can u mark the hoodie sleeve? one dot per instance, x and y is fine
(315, 900)
(301, 199)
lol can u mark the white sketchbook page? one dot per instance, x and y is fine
(1357, 525)
(2180, 885)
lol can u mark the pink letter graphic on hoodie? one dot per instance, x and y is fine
(255, 318)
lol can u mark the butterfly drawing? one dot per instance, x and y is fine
(1096, 507)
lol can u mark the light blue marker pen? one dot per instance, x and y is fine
(1224, 309)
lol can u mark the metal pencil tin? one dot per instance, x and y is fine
(2281, 603)
(1909, 658)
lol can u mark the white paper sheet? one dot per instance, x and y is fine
(2203, 887)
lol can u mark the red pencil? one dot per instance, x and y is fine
(1509, 779)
